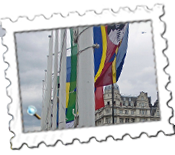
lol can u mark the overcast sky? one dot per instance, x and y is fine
(138, 72)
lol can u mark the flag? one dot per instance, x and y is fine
(99, 101)
(109, 58)
(71, 81)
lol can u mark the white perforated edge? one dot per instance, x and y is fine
(89, 18)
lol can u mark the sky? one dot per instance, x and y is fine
(32, 48)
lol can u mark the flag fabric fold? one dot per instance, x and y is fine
(99, 101)
(107, 58)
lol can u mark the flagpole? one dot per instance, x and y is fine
(49, 83)
(76, 32)
(54, 126)
(46, 112)
(62, 91)
(112, 103)
(85, 78)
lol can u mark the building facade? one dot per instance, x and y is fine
(127, 109)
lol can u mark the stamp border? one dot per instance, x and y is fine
(123, 148)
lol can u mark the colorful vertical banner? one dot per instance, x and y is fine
(109, 57)
(71, 80)
(106, 58)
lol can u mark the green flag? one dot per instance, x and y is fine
(73, 78)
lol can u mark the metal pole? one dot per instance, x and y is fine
(62, 81)
(76, 121)
(112, 103)
(85, 79)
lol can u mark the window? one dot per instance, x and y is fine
(132, 112)
(139, 104)
(114, 103)
(126, 111)
(108, 121)
(115, 120)
(145, 112)
(142, 97)
(142, 119)
(121, 111)
(132, 119)
(120, 103)
(142, 112)
(129, 99)
(107, 110)
(129, 103)
(132, 104)
(108, 103)
(142, 104)
(126, 120)
(123, 103)
(115, 111)
(121, 120)
(126, 104)
(157, 113)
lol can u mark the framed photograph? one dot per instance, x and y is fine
(96, 75)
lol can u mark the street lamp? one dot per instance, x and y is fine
(93, 46)
(32, 111)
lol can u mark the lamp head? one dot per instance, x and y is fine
(96, 45)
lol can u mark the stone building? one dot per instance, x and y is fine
(127, 109)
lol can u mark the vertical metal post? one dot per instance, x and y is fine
(112, 103)
(85, 78)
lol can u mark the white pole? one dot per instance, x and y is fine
(46, 120)
(62, 92)
(43, 113)
(85, 78)
(54, 120)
